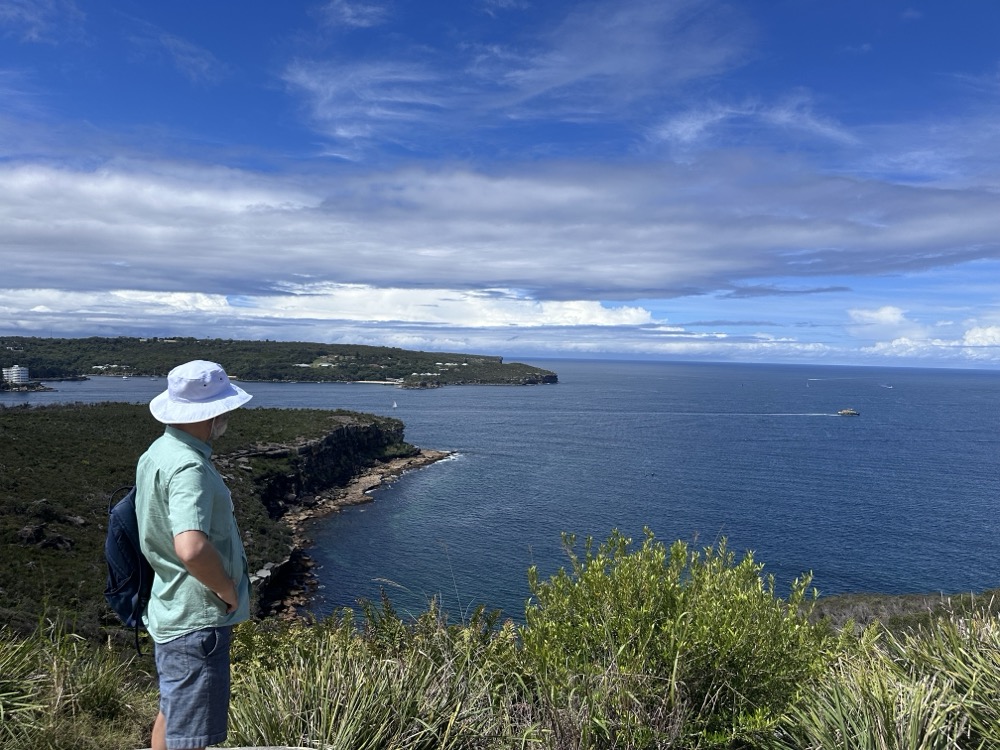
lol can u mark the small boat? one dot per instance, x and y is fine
(849, 413)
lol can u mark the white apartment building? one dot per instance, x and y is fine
(15, 374)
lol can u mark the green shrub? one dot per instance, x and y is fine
(667, 647)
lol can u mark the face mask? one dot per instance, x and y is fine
(219, 425)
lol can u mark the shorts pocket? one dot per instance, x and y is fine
(216, 641)
(208, 639)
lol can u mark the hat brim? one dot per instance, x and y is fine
(168, 411)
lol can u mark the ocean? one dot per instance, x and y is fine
(901, 499)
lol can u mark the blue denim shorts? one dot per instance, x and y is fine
(194, 687)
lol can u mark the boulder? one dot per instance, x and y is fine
(31, 534)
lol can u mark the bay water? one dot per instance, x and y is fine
(901, 499)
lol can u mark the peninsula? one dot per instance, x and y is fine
(282, 361)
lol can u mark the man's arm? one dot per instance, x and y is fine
(203, 562)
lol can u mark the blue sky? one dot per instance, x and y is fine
(769, 180)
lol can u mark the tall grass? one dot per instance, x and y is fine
(964, 651)
(385, 684)
(20, 694)
(933, 688)
(59, 692)
(867, 702)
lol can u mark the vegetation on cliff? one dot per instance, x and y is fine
(60, 464)
(262, 360)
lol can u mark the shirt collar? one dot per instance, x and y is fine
(202, 447)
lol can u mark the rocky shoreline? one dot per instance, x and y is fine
(285, 589)
(25, 387)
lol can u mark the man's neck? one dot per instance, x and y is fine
(200, 430)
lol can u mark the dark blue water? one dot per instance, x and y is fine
(900, 499)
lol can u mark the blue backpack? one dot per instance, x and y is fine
(130, 576)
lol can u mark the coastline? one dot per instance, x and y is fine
(33, 387)
(296, 581)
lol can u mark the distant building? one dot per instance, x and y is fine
(17, 375)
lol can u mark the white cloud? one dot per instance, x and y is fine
(728, 122)
(890, 323)
(904, 348)
(354, 14)
(691, 126)
(333, 302)
(46, 21)
(195, 62)
(977, 345)
(452, 320)
(982, 336)
(630, 49)
(360, 101)
(883, 316)
(797, 113)
(591, 65)
(492, 7)
(563, 233)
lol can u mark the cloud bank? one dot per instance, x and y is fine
(621, 179)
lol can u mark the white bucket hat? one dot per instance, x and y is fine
(196, 391)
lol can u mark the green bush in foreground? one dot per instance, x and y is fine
(667, 647)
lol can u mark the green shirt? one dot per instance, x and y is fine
(179, 489)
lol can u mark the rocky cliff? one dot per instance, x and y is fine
(298, 481)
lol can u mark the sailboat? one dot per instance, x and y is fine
(393, 404)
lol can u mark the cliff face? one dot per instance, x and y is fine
(288, 475)
(291, 482)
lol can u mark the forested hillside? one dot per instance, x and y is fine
(261, 360)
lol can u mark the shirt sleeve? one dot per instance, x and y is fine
(190, 500)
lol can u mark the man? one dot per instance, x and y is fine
(188, 533)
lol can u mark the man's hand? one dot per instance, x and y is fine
(230, 596)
